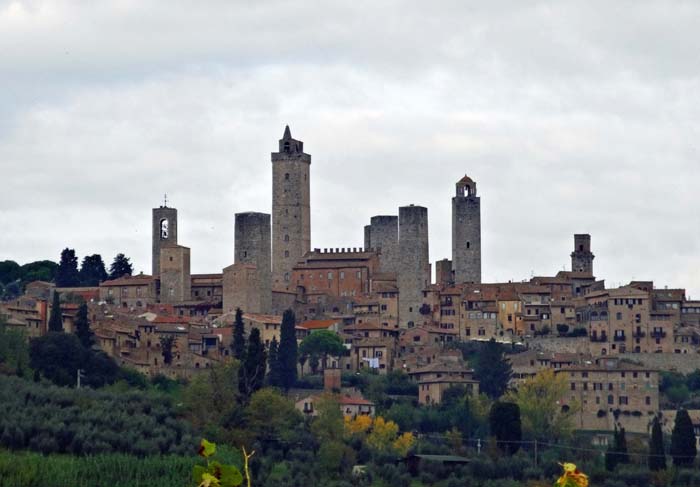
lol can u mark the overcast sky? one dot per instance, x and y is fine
(573, 117)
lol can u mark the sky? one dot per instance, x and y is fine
(572, 117)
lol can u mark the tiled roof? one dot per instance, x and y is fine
(318, 324)
(140, 279)
(276, 319)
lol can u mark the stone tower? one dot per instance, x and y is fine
(252, 236)
(466, 233)
(175, 276)
(164, 234)
(291, 219)
(443, 272)
(383, 234)
(413, 268)
(582, 257)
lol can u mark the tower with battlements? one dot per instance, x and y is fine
(291, 218)
(466, 233)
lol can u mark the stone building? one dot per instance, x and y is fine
(129, 291)
(611, 392)
(443, 273)
(252, 247)
(582, 257)
(434, 379)
(413, 274)
(466, 232)
(291, 218)
(164, 224)
(175, 277)
(382, 235)
(241, 288)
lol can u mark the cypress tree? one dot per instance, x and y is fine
(238, 345)
(67, 272)
(287, 352)
(252, 372)
(56, 318)
(622, 447)
(273, 375)
(617, 451)
(683, 449)
(493, 370)
(657, 457)
(82, 326)
(505, 425)
(121, 266)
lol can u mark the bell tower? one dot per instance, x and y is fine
(291, 209)
(164, 224)
(466, 232)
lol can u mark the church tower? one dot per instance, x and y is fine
(466, 233)
(164, 226)
(291, 218)
(582, 257)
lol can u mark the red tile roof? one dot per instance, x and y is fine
(318, 324)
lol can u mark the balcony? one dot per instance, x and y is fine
(638, 334)
(601, 338)
(619, 338)
(658, 334)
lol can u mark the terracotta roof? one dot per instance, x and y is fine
(368, 326)
(354, 401)
(317, 324)
(141, 279)
(277, 319)
(170, 320)
(442, 367)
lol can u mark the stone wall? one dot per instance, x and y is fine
(252, 246)
(175, 277)
(559, 344)
(384, 236)
(680, 362)
(164, 221)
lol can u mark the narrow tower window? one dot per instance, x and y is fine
(468, 244)
(286, 238)
(286, 176)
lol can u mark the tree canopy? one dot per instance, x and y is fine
(67, 274)
(82, 326)
(539, 400)
(287, 350)
(92, 270)
(321, 344)
(56, 317)
(492, 369)
(683, 447)
(121, 266)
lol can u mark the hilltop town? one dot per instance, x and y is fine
(381, 300)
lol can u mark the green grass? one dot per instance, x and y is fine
(108, 470)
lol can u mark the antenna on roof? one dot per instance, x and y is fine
(165, 200)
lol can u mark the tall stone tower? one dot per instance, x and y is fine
(291, 219)
(582, 257)
(253, 243)
(466, 233)
(175, 276)
(413, 268)
(164, 234)
(383, 234)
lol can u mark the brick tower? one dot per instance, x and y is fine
(582, 257)
(466, 233)
(164, 234)
(291, 219)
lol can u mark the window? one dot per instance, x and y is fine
(286, 238)
(286, 176)
(330, 276)
(611, 399)
(286, 253)
(342, 274)
(622, 400)
(618, 315)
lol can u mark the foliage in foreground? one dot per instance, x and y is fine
(50, 419)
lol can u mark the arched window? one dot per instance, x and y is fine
(286, 176)
(164, 229)
(286, 238)
(286, 147)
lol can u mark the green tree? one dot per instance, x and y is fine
(82, 326)
(238, 344)
(92, 270)
(678, 394)
(56, 317)
(167, 343)
(504, 422)
(657, 456)
(270, 417)
(539, 400)
(287, 351)
(10, 271)
(121, 266)
(252, 372)
(321, 344)
(14, 352)
(617, 451)
(274, 374)
(210, 399)
(328, 425)
(683, 448)
(43, 270)
(492, 370)
(67, 273)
